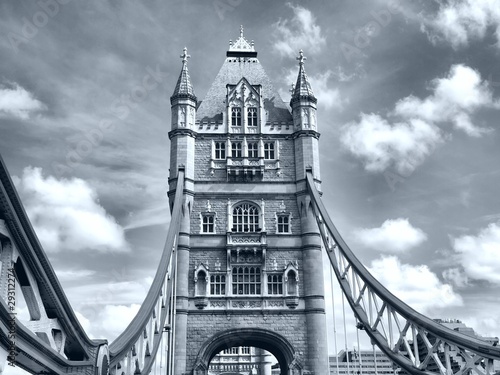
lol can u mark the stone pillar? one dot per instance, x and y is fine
(182, 292)
(313, 284)
(265, 362)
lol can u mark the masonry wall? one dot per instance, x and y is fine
(204, 325)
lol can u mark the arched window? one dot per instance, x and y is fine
(236, 116)
(252, 116)
(246, 218)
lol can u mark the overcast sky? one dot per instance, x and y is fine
(408, 107)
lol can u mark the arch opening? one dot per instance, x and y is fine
(272, 342)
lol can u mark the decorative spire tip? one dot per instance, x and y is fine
(301, 57)
(185, 56)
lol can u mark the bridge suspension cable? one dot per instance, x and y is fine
(411, 340)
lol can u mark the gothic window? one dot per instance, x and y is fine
(236, 150)
(269, 153)
(208, 223)
(253, 150)
(246, 218)
(236, 116)
(274, 284)
(246, 280)
(252, 116)
(217, 285)
(220, 150)
(283, 223)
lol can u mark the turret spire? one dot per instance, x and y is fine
(302, 87)
(184, 86)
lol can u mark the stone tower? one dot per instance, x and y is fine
(249, 253)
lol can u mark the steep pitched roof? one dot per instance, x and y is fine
(241, 61)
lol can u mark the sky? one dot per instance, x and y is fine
(408, 107)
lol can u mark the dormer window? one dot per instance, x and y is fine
(236, 116)
(252, 116)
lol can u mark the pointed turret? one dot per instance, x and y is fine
(184, 88)
(303, 103)
(183, 106)
(302, 89)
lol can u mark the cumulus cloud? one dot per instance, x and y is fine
(380, 144)
(412, 133)
(460, 21)
(109, 322)
(394, 236)
(418, 286)
(480, 255)
(18, 102)
(453, 99)
(300, 32)
(66, 214)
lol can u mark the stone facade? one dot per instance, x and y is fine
(249, 253)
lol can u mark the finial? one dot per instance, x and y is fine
(185, 56)
(230, 42)
(292, 90)
(241, 31)
(301, 57)
(252, 43)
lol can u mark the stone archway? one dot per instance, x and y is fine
(274, 343)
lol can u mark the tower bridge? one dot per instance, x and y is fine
(242, 264)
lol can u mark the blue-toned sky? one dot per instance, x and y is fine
(408, 107)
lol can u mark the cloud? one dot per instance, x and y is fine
(380, 144)
(412, 133)
(453, 99)
(109, 322)
(18, 102)
(394, 236)
(66, 214)
(301, 32)
(460, 21)
(417, 286)
(480, 255)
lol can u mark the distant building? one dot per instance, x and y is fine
(241, 360)
(367, 362)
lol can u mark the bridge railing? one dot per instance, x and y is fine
(134, 351)
(411, 340)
